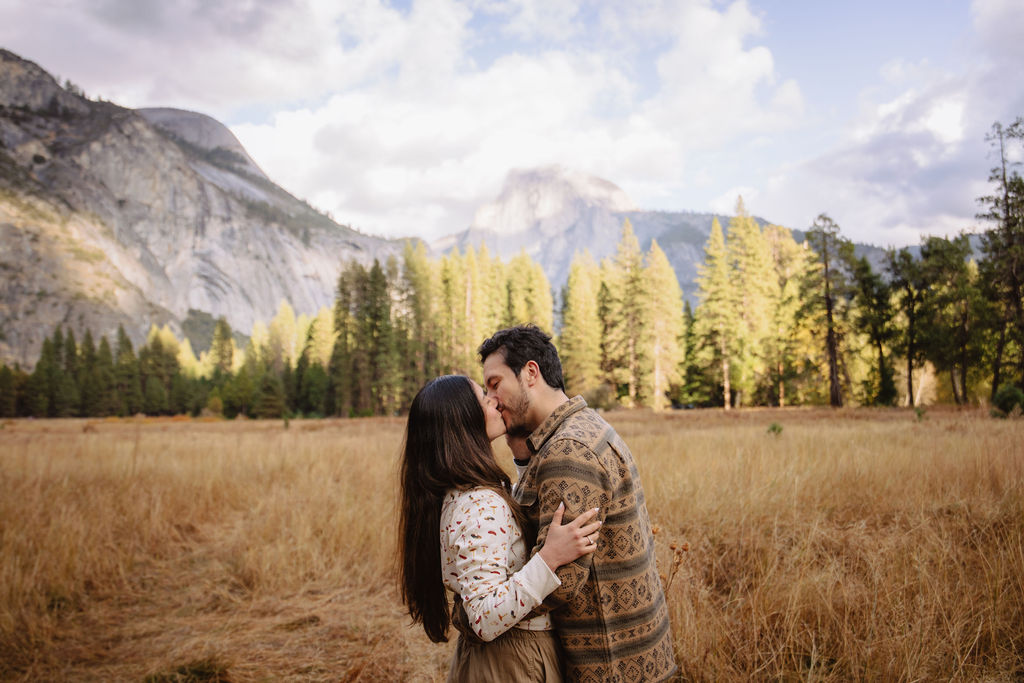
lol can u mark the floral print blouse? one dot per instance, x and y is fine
(483, 558)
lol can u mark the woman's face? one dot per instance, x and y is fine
(492, 418)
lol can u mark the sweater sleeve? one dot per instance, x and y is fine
(571, 474)
(480, 538)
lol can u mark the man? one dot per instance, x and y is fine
(610, 610)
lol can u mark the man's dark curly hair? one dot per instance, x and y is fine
(524, 343)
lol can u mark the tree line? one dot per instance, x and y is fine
(778, 322)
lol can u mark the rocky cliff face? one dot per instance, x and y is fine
(112, 216)
(552, 213)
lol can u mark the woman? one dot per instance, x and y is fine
(461, 530)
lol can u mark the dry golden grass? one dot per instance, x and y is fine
(852, 545)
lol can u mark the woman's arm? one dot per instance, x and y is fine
(477, 548)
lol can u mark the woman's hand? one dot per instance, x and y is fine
(566, 542)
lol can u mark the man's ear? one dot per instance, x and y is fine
(532, 372)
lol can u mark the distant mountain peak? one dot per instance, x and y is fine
(549, 199)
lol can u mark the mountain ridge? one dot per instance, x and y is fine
(108, 219)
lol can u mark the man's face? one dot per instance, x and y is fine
(510, 391)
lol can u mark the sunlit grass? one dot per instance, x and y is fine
(834, 546)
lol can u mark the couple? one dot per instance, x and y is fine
(535, 599)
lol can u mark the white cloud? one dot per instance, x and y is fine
(386, 118)
(396, 150)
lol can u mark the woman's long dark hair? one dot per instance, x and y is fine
(446, 447)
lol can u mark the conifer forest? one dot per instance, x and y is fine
(777, 323)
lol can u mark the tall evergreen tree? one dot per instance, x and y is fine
(874, 315)
(662, 330)
(751, 264)
(104, 378)
(419, 294)
(126, 371)
(1002, 269)
(626, 310)
(222, 348)
(281, 351)
(717, 316)
(38, 387)
(270, 397)
(88, 391)
(346, 356)
(693, 386)
(8, 392)
(789, 343)
(495, 301)
(380, 338)
(452, 315)
(909, 282)
(66, 398)
(828, 290)
(580, 340)
(950, 314)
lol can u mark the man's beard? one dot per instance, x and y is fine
(516, 426)
(519, 432)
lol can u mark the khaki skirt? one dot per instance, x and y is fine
(515, 655)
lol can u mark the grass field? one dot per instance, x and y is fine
(847, 545)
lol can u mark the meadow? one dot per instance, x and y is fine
(796, 544)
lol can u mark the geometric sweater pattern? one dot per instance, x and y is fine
(609, 612)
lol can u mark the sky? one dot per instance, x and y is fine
(402, 117)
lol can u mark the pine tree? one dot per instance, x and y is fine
(154, 400)
(874, 315)
(717, 316)
(757, 295)
(104, 378)
(951, 314)
(270, 397)
(187, 361)
(788, 342)
(910, 286)
(323, 335)
(1002, 269)
(314, 388)
(518, 277)
(350, 357)
(418, 293)
(580, 340)
(89, 398)
(128, 381)
(495, 299)
(8, 393)
(827, 292)
(37, 390)
(662, 330)
(625, 311)
(453, 324)
(222, 348)
(281, 349)
(380, 334)
(692, 389)
(63, 389)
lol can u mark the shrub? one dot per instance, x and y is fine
(1007, 398)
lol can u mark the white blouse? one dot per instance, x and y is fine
(483, 558)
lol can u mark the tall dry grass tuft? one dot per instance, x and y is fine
(835, 546)
(865, 549)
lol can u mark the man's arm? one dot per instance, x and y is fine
(572, 474)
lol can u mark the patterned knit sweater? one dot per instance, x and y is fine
(610, 611)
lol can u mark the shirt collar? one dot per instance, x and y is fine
(553, 421)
